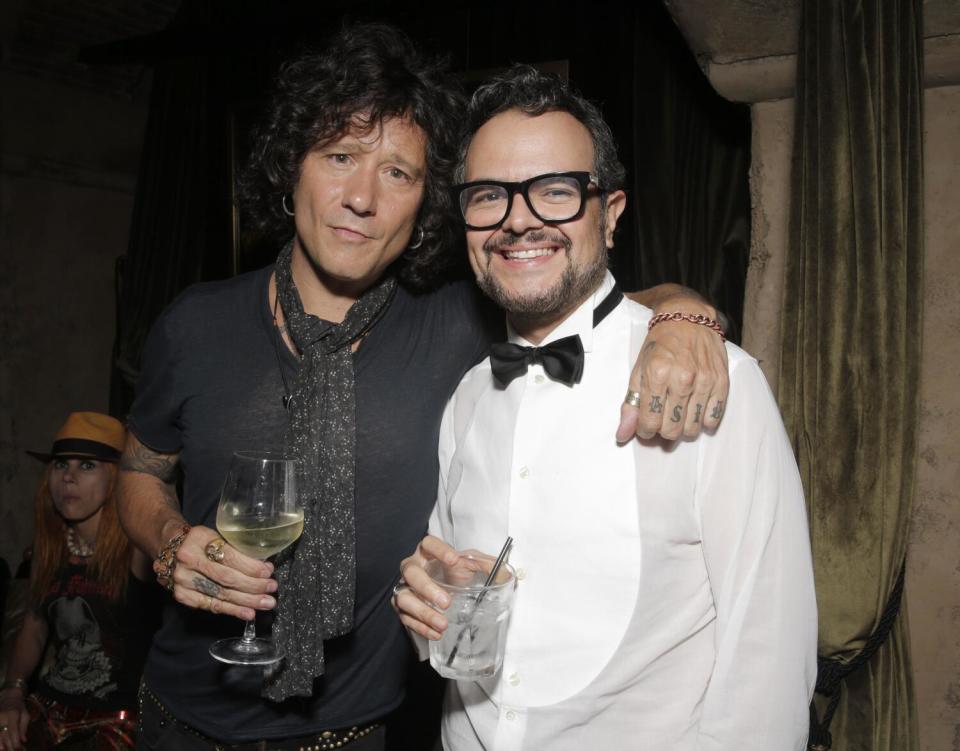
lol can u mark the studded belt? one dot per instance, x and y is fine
(325, 740)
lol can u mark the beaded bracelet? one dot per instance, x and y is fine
(166, 560)
(692, 318)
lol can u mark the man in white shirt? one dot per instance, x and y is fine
(665, 591)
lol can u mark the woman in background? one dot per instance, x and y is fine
(88, 598)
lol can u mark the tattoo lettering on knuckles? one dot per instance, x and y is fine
(677, 412)
(656, 405)
(205, 586)
(717, 411)
(696, 417)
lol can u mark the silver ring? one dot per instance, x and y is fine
(399, 587)
(632, 398)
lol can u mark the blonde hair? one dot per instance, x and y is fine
(110, 563)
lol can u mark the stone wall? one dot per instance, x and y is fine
(68, 162)
(933, 563)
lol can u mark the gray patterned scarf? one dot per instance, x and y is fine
(317, 579)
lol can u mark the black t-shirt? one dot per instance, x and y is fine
(99, 644)
(211, 385)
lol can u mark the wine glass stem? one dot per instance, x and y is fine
(250, 632)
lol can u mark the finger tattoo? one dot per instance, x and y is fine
(675, 417)
(696, 417)
(717, 411)
(203, 585)
(656, 406)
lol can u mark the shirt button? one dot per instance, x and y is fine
(511, 715)
(524, 473)
(521, 574)
(538, 378)
(514, 679)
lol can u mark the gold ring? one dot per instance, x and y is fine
(632, 398)
(214, 549)
(208, 604)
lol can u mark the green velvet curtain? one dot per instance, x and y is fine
(178, 233)
(849, 374)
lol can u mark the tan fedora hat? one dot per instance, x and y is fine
(87, 435)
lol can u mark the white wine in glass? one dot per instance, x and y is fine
(259, 515)
(259, 537)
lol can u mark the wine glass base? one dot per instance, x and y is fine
(236, 651)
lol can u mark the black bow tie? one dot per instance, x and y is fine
(561, 359)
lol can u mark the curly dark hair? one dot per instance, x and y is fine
(525, 88)
(377, 71)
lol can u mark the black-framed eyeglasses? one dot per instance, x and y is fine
(555, 198)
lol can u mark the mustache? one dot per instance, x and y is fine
(506, 238)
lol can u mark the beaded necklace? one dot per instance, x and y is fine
(77, 546)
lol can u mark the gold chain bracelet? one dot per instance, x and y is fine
(692, 318)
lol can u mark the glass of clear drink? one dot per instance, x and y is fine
(260, 515)
(473, 644)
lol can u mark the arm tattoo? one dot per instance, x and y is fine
(675, 417)
(139, 458)
(717, 411)
(205, 586)
(656, 406)
(696, 417)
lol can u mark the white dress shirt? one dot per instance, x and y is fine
(665, 592)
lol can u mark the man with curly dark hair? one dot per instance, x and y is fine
(318, 100)
(344, 352)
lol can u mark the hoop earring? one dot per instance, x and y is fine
(283, 202)
(419, 242)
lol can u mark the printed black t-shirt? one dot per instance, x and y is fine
(99, 644)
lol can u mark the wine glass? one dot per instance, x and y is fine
(259, 514)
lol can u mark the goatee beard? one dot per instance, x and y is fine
(574, 286)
